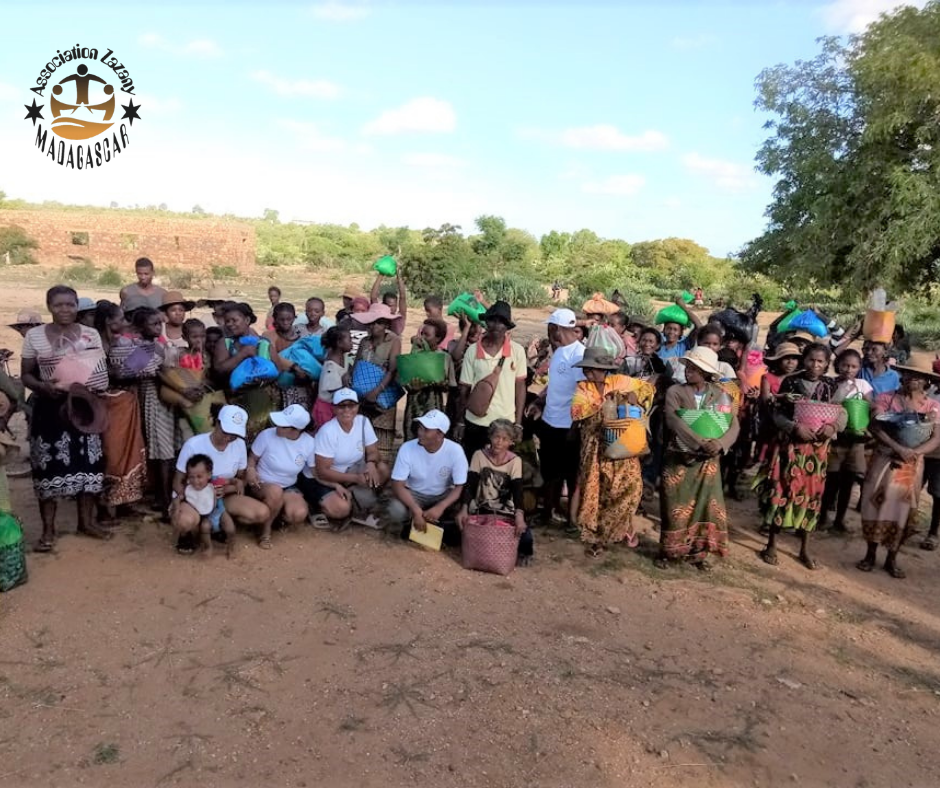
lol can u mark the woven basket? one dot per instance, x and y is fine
(705, 423)
(816, 415)
(489, 544)
(859, 415)
(913, 434)
(426, 367)
(625, 438)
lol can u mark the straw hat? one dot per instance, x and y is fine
(218, 294)
(702, 358)
(171, 297)
(85, 410)
(922, 372)
(784, 349)
(27, 318)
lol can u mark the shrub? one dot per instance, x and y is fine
(224, 272)
(177, 278)
(17, 244)
(516, 290)
(110, 277)
(82, 271)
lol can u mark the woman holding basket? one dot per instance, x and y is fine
(701, 425)
(608, 490)
(905, 429)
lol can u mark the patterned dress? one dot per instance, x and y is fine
(610, 490)
(65, 461)
(383, 421)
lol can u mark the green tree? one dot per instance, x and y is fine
(855, 148)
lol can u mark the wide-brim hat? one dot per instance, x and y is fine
(217, 294)
(803, 336)
(171, 297)
(352, 292)
(783, 350)
(85, 410)
(134, 302)
(922, 372)
(500, 311)
(597, 358)
(704, 359)
(27, 318)
(380, 312)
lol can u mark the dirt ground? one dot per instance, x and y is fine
(357, 660)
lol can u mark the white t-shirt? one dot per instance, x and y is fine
(345, 448)
(430, 474)
(331, 380)
(281, 459)
(563, 379)
(203, 501)
(225, 464)
(853, 389)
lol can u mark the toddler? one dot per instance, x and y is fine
(204, 495)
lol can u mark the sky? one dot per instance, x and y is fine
(635, 120)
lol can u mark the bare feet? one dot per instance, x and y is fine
(866, 565)
(769, 556)
(808, 561)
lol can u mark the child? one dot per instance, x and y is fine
(201, 493)
(494, 486)
(784, 361)
(195, 358)
(847, 463)
(333, 376)
(796, 474)
(274, 296)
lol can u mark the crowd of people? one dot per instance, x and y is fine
(227, 426)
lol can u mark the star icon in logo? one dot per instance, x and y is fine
(32, 112)
(130, 111)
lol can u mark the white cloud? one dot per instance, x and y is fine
(315, 88)
(198, 47)
(433, 161)
(310, 137)
(622, 185)
(687, 43)
(727, 175)
(424, 114)
(853, 16)
(340, 12)
(603, 136)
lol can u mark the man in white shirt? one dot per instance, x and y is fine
(428, 480)
(559, 451)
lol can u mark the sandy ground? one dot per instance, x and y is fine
(356, 660)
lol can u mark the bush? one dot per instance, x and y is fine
(110, 277)
(224, 272)
(177, 278)
(83, 271)
(516, 290)
(17, 244)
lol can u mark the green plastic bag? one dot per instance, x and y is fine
(672, 314)
(467, 305)
(386, 265)
(784, 325)
(12, 553)
(789, 306)
(687, 297)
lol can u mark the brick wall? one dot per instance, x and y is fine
(118, 239)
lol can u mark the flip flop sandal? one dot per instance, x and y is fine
(371, 521)
(865, 566)
(320, 522)
(265, 543)
(930, 543)
(95, 532)
(594, 552)
(44, 546)
(768, 557)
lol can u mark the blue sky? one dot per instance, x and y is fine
(635, 120)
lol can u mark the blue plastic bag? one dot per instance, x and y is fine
(252, 371)
(809, 321)
(308, 354)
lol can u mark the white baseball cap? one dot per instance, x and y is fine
(295, 416)
(434, 420)
(345, 395)
(233, 420)
(562, 317)
(86, 304)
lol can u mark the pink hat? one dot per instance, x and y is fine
(381, 312)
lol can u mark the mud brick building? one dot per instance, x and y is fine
(118, 238)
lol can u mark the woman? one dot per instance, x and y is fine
(66, 462)
(795, 478)
(174, 308)
(381, 347)
(159, 418)
(125, 453)
(348, 470)
(692, 505)
(277, 456)
(257, 399)
(891, 491)
(225, 446)
(608, 492)
(282, 336)
(429, 396)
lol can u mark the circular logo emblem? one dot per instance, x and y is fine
(444, 472)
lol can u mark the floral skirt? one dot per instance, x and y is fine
(694, 518)
(792, 485)
(890, 496)
(65, 462)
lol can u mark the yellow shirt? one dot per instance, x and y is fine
(477, 364)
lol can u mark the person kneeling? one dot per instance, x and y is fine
(206, 498)
(427, 480)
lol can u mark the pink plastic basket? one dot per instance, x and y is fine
(815, 415)
(489, 544)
